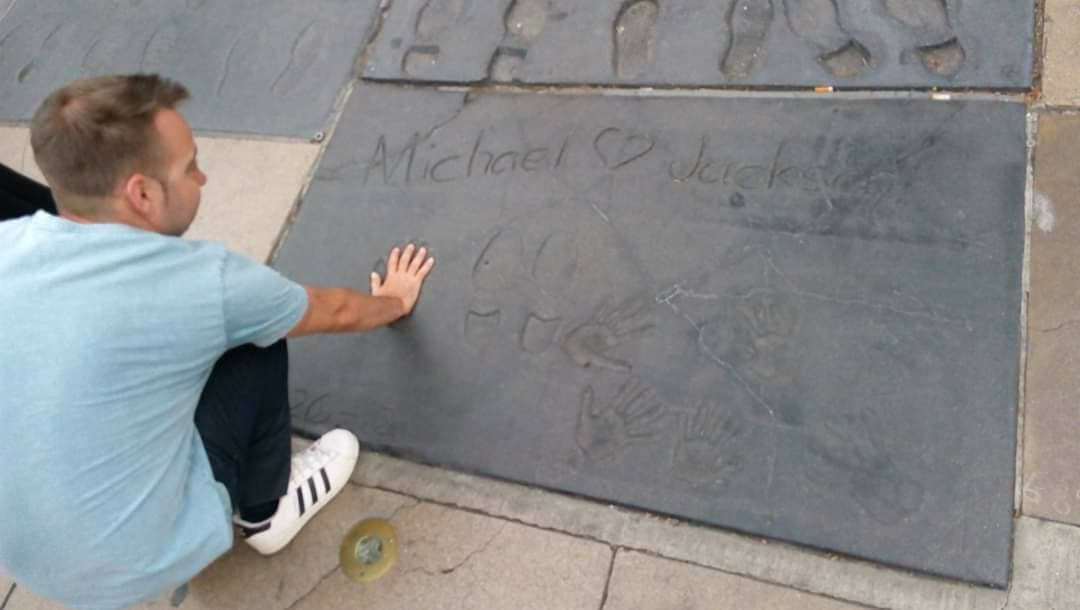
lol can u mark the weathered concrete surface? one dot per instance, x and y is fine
(253, 66)
(1051, 454)
(453, 559)
(642, 581)
(1046, 566)
(811, 335)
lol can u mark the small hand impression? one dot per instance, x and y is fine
(405, 274)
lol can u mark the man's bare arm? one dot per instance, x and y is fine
(335, 310)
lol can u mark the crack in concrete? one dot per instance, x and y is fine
(607, 581)
(1058, 327)
(469, 557)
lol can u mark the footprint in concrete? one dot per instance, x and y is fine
(159, 49)
(523, 23)
(852, 459)
(920, 14)
(525, 19)
(420, 60)
(930, 19)
(436, 17)
(943, 59)
(238, 73)
(302, 55)
(849, 61)
(104, 51)
(818, 22)
(748, 24)
(635, 37)
(49, 49)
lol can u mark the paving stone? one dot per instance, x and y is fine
(253, 66)
(1046, 568)
(896, 43)
(1051, 479)
(250, 191)
(245, 580)
(1061, 65)
(642, 581)
(453, 559)
(778, 563)
(5, 583)
(815, 347)
(251, 188)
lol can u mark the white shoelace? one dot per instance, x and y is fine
(308, 462)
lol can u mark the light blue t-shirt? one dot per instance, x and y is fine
(107, 336)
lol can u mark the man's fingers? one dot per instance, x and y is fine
(376, 282)
(426, 269)
(414, 264)
(392, 261)
(406, 258)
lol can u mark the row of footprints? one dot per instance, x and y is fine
(748, 21)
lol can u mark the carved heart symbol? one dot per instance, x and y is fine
(617, 147)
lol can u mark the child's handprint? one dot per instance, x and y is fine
(591, 343)
(704, 455)
(604, 427)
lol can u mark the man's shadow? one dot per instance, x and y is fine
(21, 196)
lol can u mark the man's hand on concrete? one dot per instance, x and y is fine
(405, 274)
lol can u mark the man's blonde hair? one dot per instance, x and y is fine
(92, 133)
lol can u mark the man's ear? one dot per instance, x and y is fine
(142, 194)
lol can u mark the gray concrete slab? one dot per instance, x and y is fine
(797, 318)
(454, 559)
(896, 43)
(643, 581)
(253, 66)
(1051, 480)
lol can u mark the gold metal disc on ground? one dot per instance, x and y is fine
(369, 550)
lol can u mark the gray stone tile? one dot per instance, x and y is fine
(810, 336)
(1051, 479)
(697, 42)
(244, 580)
(782, 564)
(253, 66)
(1046, 567)
(642, 581)
(1061, 64)
(454, 559)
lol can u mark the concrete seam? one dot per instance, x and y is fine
(1025, 296)
(653, 553)
(10, 592)
(607, 581)
(1052, 521)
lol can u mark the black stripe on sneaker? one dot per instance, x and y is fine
(300, 498)
(314, 494)
(325, 479)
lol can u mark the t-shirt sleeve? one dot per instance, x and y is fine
(261, 305)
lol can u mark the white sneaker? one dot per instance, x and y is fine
(318, 474)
